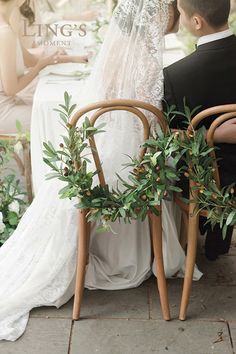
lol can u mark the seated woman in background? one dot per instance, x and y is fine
(13, 79)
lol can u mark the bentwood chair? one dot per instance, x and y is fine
(191, 211)
(23, 163)
(98, 110)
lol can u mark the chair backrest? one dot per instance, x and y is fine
(13, 138)
(223, 113)
(133, 106)
(8, 137)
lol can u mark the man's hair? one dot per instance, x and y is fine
(176, 11)
(27, 12)
(215, 12)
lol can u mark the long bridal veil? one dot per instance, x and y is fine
(37, 263)
(130, 61)
(129, 65)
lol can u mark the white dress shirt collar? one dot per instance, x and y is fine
(214, 37)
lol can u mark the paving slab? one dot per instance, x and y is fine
(220, 272)
(64, 312)
(148, 337)
(42, 336)
(174, 292)
(131, 303)
(216, 302)
(206, 301)
(233, 245)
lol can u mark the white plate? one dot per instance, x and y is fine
(65, 69)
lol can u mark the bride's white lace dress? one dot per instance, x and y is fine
(37, 264)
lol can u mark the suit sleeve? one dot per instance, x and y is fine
(168, 94)
(169, 97)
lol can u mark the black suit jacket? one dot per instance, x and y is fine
(206, 78)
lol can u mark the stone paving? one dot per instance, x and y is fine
(129, 321)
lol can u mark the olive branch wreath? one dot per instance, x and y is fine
(150, 181)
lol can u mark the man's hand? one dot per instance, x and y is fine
(226, 133)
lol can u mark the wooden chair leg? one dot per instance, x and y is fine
(184, 230)
(190, 259)
(156, 226)
(81, 262)
(88, 240)
(19, 163)
(27, 171)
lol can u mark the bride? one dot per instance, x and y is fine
(37, 263)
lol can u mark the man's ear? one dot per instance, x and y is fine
(197, 22)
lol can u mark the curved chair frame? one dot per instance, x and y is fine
(101, 108)
(225, 113)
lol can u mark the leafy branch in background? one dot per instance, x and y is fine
(12, 204)
(98, 28)
(232, 22)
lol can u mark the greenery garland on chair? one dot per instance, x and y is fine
(198, 167)
(219, 203)
(151, 180)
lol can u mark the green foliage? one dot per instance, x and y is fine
(12, 204)
(6, 153)
(232, 22)
(21, 133)
(197, 165)
(188, 40)
(98, 29)
(151, 179)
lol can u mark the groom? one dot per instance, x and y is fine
(207, 78)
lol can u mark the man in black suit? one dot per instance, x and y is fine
(207, 78)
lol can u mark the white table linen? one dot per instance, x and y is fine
(46, 123)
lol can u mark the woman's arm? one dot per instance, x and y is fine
(11, 82)
(30, 59)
